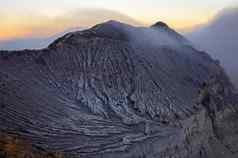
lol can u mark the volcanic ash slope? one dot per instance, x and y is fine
(118, 91)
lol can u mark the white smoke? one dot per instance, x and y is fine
(220, 39)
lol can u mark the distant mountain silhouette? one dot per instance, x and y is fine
(32, 43)
(220, 39)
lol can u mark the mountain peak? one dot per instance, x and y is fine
(160, 24)
(156, 35)
(114, 23)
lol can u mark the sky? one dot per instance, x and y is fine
(42, 18)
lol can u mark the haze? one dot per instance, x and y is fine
(219, 38)
(34, 19)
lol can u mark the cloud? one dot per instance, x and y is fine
(220, 38)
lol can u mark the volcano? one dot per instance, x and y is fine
(119, 91)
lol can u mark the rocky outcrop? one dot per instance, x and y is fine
(118, 91)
